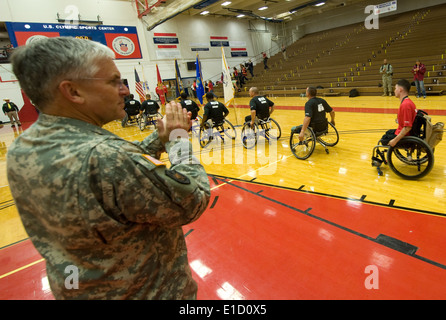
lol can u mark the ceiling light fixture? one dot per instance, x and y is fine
(226, 3)
(316, 3)
(240, 16)
(263, 8)
(204, 13)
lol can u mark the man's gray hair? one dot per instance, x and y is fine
(41, 65)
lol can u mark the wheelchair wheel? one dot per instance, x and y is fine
(249, 135)
(142, 122)
(412, 158)
(303, 149)
(229, 129)
(272, 130)
(195, 129)
(124, 120)
(331, 137)
(206, 135)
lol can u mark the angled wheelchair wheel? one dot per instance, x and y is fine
(124, 120)
(229, 130)
(272, 130)
(303, 149)
(196, 125)
(331, 137)
(249, 135)
(206, 135)
(411, 158)
(154, 121)
(142, 122)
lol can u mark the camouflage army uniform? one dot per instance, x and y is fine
(92, 200)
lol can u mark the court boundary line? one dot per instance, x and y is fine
(382, 110)
(356, 233)
(362, 199)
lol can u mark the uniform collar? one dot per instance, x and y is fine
(51, 120)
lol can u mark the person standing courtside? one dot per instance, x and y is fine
(161, 91)
(250, 66)
(265, 60)
(418, 71)
(386, 71)
(11, 110)
(104, 213)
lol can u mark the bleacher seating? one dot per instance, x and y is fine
(349, 57)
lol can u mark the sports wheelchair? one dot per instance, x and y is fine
(195, 129)
(412, 157)
(268, 128)
(302, 150)
(213, 129)
(131, 117)
(148, 119)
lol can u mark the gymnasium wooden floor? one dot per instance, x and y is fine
(280, 228)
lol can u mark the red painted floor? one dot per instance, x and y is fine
(263, 242)
(260, 242)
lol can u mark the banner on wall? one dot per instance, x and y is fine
(165, 38)
(217, 41)
(123, 40)
(238, 52)
(385, 7)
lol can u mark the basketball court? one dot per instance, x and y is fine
(276, 227)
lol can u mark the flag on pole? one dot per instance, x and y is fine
(200, 87)
(145, 83)
(158, 76)
(139, 87)
(179, 82)
(228, 88)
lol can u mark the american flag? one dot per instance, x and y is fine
(139, 87)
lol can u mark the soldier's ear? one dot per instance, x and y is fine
(70, 91)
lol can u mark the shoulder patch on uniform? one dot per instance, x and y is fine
(178, 177)
(151, 159)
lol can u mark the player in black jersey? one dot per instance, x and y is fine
(189, 105)
(260, 106)
(149, 106)
(214, 110)
(315, 110)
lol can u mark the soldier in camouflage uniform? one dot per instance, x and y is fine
(91, 201)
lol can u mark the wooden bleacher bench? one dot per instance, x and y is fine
(434, 92)
(341, 64)
(331, 94)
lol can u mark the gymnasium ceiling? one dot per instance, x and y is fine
(275, 11)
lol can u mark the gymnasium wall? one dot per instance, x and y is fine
(351, 15)
(191, 33)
